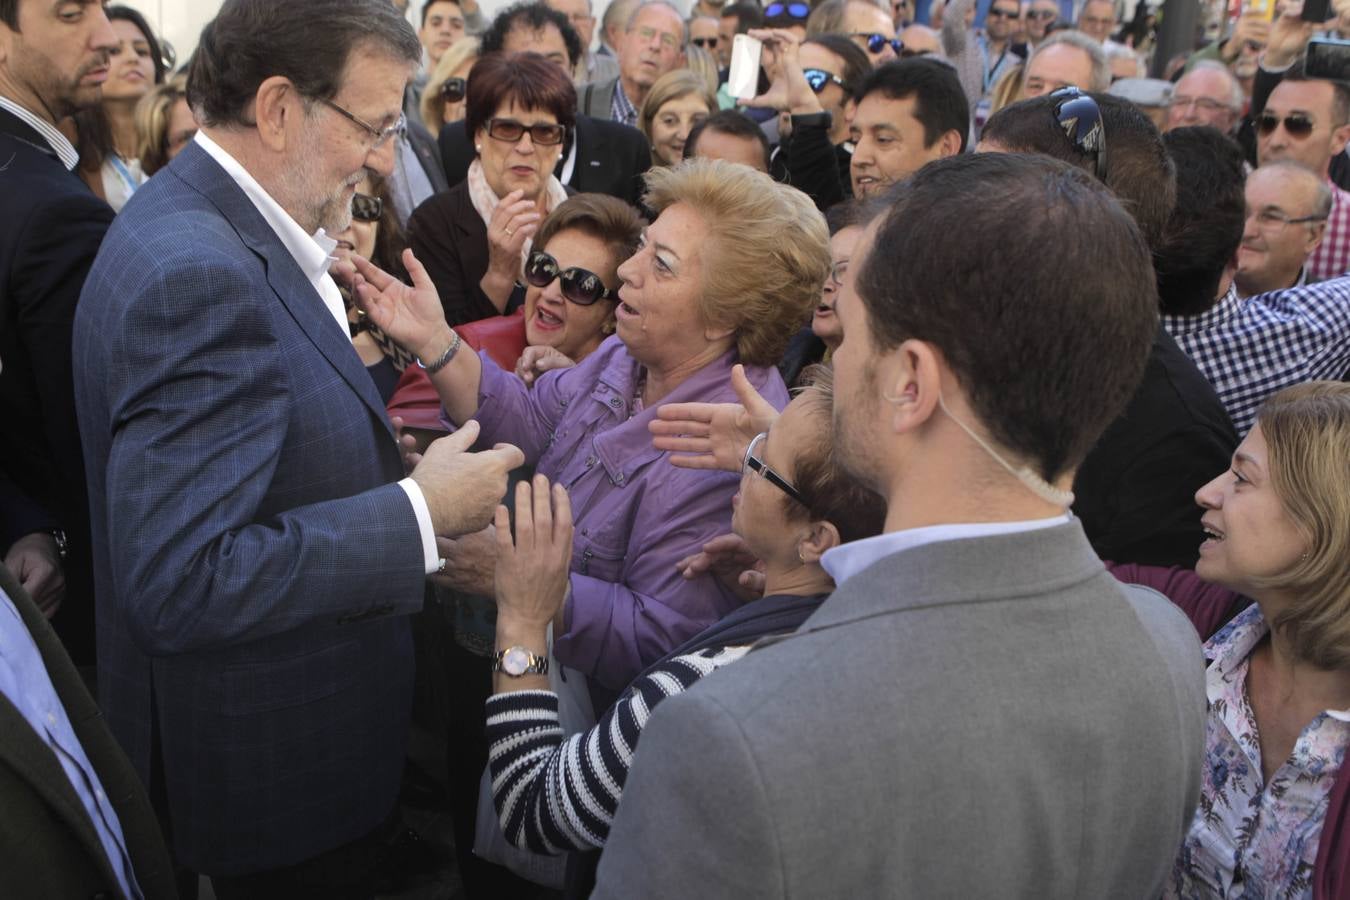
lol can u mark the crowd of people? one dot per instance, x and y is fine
(929, 476)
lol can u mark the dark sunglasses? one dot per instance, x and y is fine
(818, 78)
(366, 208)
(510, 130)
(755, 464)
(1003, 13)
(578, 285)
(708, 43)
(793, 10)
(877, 42)
(1297, 124)
(1081, 118)
(454, 89)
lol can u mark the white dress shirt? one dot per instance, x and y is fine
(65, 150)
(314, 255)
(847, 560)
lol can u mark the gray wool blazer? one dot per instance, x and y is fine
(992, 717)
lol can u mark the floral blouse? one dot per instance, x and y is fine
(1251, 839)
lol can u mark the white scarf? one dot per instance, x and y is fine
(485, 201)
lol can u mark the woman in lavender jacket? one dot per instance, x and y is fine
(728, 271)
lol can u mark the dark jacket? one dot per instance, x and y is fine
(808, 161)
(48, 846)
(450, 240)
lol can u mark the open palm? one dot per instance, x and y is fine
(411, 316)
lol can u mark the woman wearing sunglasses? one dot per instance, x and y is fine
(677, 102)
(474, 239)
(729, 268)
(443, 96)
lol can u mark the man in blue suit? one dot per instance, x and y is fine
(256, 553)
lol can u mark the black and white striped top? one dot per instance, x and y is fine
(555, 795)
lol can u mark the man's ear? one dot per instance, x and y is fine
(1316, 232)
(1339, 138)
(913, 377)
(823, 536)
(949, 144)
(275, 105)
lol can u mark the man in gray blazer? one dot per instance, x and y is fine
(979, 710)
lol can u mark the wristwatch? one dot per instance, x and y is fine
(517, 661)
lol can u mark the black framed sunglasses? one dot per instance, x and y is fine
(580, 286)
(1081, 119)
(877, 42)
(818, 78)
(754, 464)
(454, 89)
(1297, 124)
(366, 208)
(707, 43)
(510, 131)
(792, 10)
(1003, 13)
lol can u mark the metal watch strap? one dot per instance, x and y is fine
(537, 665)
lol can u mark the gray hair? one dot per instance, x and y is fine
(644, 4)
(616, 12)
(1321, 190)
(1101, 66)
(1235, 95)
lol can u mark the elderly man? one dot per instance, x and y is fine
(1065, 59)
(980, 571)
(867, 24)
(257, 550)
(1287, 210)
(1206, 95)
(652, 45)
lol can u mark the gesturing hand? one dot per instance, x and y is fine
(730, 561)
(713, 435)
(411, 316)
(462, 488)
(512, 222)
(1289, 36)
(535, 361)
(532, 572)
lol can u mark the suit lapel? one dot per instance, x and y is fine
(284, 276)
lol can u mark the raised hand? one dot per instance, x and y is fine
(713, 435)
(730, 561)
(512, 222)
(1289, 36)
(462, 488)
(789, 91)
(532, 571)
(535, 361)
(411, 316)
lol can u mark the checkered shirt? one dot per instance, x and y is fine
(1249, 349)
(621, 109)
(1331, 259)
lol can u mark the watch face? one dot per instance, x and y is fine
(515, 661)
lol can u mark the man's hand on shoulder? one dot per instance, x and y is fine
(462, 489)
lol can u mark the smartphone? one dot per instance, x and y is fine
(743, 79)
(1329, 59)
(1316, 11)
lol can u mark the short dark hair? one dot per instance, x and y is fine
(1340, 103)
(527, 78)
(530, 16)
(1139, 171)
(426, 8)
(727, 121)
(853, 213)
(940, 103)
(127, 14)
(856, 63)
(1206, 225)
(748, 15)
(1048, 358)
(309, 43)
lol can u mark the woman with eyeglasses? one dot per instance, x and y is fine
(817, 342)
(473, 240)
(1274, 813)
(677, 102)
(443, 96)
(557, 793)
(732, 264)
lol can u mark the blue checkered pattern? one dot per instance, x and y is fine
(621, 109)
(1249, 349)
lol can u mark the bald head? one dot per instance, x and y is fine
(920, 40)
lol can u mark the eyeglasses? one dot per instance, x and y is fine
(1042, 14)
(511, 131)
(793, 10)
(580, 286)
(877, 42)
(1081, 118)
(837, 272)
(454, 89)
(1207, 104)
(818, 78)
(1272, 221)
(757, 465)
(708, 43)
(1002, 14)
(381, 135)
(668, 40)
(1297, 124)
(366, 208)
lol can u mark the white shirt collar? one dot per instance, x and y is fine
(849, 559)
(312, 252)
(58, 141)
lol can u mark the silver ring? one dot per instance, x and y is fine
(508, 231)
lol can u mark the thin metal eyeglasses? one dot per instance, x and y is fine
(1273, 221)
(757, 465)
(837, 272)
(1081, 119)
(381, 135)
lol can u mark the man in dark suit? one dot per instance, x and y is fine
(601, 157)
(256, 554)
(50, 229)
(55, 780)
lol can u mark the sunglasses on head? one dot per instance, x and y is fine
(792, 10)
(1297, 124)
(707, 43)
(818, 78)
(454, 89)
(509, 130)
(366, 208)
(1081, 119)
(877, 42)
(580, 286)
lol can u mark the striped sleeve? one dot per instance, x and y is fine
(554, 794)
